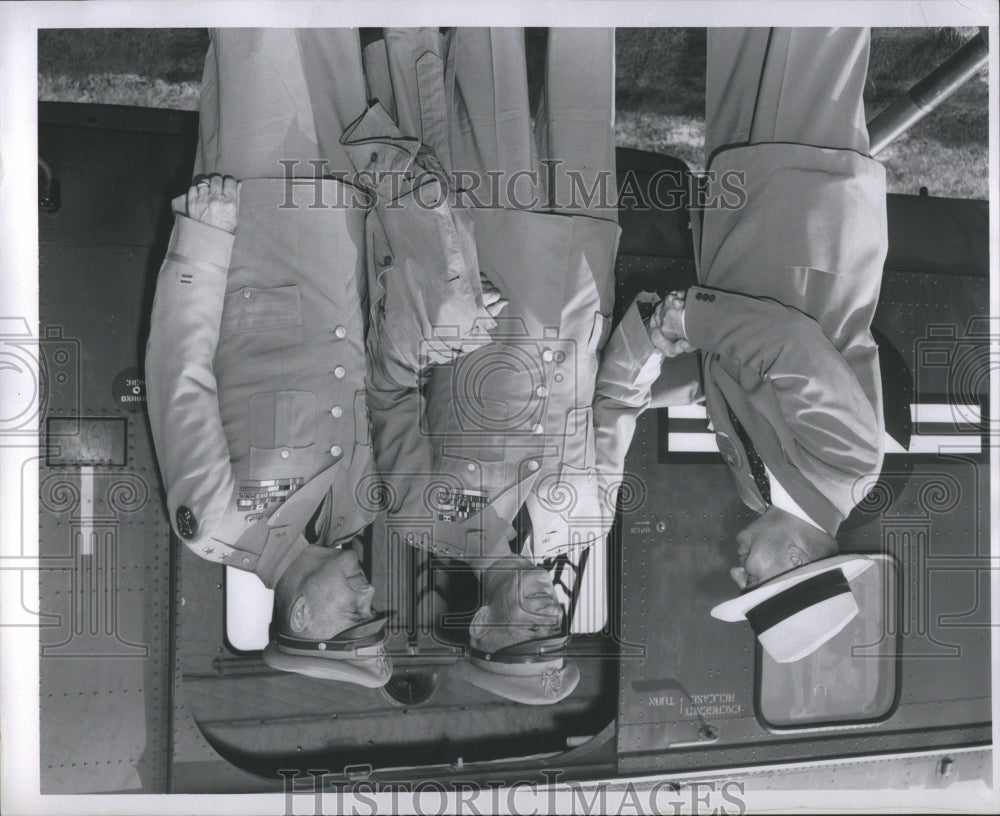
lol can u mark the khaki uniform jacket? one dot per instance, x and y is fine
(540, 415)
(256, 376)
(789, 285)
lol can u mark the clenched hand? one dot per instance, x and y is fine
(666, 326)
(215, 201)
(493, 300)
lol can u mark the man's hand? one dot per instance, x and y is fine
(666, 326)
(493, 300)
(215, 201)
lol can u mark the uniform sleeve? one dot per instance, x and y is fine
(819, 396)
(182, 393)
(629, 366)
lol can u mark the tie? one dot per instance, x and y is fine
(756, 463)
(522, 527)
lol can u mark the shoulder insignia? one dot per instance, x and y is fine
(187, 524)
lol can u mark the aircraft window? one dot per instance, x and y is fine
(852, 677)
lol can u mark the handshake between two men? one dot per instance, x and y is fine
(265, 359)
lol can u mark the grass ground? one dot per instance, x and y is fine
(660, 93)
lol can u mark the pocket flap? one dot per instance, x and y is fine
(250, 309)
(268, 464)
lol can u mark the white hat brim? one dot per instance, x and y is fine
(529, 689)
(371, 672)
(736, 608)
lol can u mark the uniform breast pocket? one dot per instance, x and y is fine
(814, 221)
(573, 495)
(252, 309)
(282, 434)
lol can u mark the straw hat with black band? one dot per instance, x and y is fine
(796, 612)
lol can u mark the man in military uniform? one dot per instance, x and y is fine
(788, 285)
(256, 355)
(531, 427)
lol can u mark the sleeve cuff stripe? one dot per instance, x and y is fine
(205, 266)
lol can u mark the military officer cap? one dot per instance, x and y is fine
(534, 672)
(356, 655)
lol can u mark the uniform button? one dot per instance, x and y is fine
(711, 298)
(538, 428)
(336, 450)
(247, 293)
(337, 411)
(285, 454)
(374, 157)
(470, 467)
(387, 260)
(339, 372)
(542, 391)
(560, 356)
(321, 646)
(340, 332)
(533, 465)
(547, 355)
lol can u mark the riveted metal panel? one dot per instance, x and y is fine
(104, 582)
